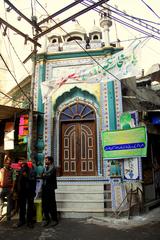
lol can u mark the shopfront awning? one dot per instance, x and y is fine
(7, 112)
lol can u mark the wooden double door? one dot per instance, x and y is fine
(78, 148)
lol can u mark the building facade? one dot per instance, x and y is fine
(76, 101)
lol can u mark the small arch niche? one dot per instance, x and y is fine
(74, 38)
(54, 40)
(95, 37)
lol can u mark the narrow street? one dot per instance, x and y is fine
(144, 227)
(80, 230)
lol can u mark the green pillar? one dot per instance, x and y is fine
(111, 106)
(112, 117)
(40, 117)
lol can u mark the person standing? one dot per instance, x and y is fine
(26, 187)
(7, 183)
(49, 184)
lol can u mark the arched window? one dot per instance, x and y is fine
(78, 111)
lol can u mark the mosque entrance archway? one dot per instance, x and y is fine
(78, 140)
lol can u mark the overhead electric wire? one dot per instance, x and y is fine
(121, 13)
(81, 46)
(136, 28)
(150, 9)
(153, 29)
(10, 44)
(17, 54)
(23, 16)
(98, 62)
(129, 31)
(73, 16)
(131, 39)
(140, 19)
(120, 21)
(114, 18)
(127, 24)
(88, 55)
(9, 53)
(9, 97)
(95, 59)
(14, 78)
(119, 79)
(134, 19)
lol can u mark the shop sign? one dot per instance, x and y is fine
(124, 143)
(9, 136)
(23, 129)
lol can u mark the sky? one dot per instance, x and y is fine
(15, 51)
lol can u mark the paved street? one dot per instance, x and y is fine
(147, 228)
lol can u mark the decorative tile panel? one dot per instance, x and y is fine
(104, 106)
(118, 197)
(118, 101)
(35, 95)
(47, 127)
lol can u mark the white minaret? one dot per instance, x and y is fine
(105, 23)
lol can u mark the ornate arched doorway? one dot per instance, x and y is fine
(78, 140)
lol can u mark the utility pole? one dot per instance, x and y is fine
(35, 44)
(36, 26)
(30, 149)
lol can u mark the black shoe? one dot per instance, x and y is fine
(30, 225)
(54, 223)
(8, 219)
(20, 224)
(46, 223)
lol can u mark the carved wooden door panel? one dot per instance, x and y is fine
(78, 149)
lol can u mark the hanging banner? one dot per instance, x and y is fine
(121, 65)
(124, 143)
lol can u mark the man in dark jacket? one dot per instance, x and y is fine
(49, 185)
(26, 186)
